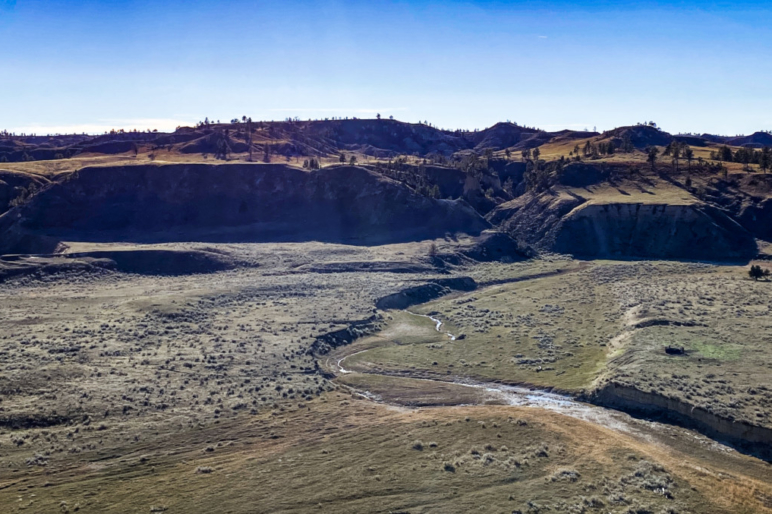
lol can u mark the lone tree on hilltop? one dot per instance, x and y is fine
(756, 272)
(342, 158)
(353, 160)
(651, 156)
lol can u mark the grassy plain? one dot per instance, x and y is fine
(198, 393)
(609, 321)
(341, 453)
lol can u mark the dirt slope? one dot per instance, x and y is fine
(239, 202)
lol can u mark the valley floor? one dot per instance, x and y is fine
(129, 392)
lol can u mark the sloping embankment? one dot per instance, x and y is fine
(739, 433)
(425, 293)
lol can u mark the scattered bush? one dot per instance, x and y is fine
(756, 272)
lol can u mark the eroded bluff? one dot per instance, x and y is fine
(230, 202)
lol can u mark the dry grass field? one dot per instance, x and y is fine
(198, 393)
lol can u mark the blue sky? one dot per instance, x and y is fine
(91, 65)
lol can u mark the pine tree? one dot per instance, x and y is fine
(651, 156)
(765, 161)
(249, 138)
(756, 272)
(689, 156)
(676, 150)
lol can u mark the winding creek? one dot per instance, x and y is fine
(641, 429)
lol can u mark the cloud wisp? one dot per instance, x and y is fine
(103, 125)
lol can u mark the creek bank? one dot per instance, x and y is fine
(740, 434)
(356, 329)
(425, 293)
(407, 297)
(608, 398)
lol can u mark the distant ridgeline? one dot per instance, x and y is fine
(632, 192)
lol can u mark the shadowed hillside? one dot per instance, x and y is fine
(247, 202)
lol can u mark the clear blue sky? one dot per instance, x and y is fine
(90, 65)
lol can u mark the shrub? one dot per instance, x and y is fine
(756, 272)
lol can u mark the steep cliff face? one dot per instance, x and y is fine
(694, 231)
(564, 221)
(239, 202)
